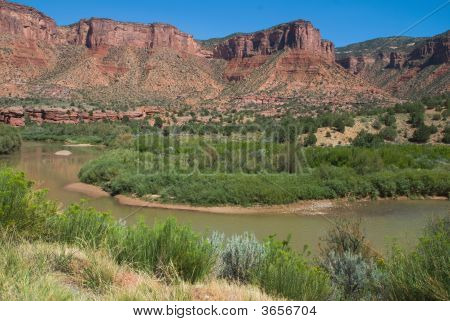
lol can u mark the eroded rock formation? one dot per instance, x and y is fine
(15, 116)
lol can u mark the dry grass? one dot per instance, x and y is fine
(42, 271)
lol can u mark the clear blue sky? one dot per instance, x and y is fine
(342, 21)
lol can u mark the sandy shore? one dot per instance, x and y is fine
(86, 189)
(315, 207)
(79, 145)
(310, 207)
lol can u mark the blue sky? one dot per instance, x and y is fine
(342, 21)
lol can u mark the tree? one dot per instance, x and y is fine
(388, 133)
(422, 134)
(365, 139)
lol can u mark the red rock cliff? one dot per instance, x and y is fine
(95, 33)
(30, 24)
(26, 22)
(299, 35)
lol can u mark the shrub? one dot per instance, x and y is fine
(388, 133)
(365, 139)
(167, 249)
(21, 207)
(287, 274)
(348, 259)
(389, 120)
(423, 274)
(446, 138)
(9, 139)
(354, 277)
(241, 257)
(376, 124)
(422, 134)
(83, 225)
(311, 140)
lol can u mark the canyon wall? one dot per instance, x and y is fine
(30, 24)
(299, 35)
(26, 22)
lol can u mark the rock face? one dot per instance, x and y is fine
(395, 64)
(247, 52)
(95, 33)
(26, 22)
(434, 51)
(15, 116)
(33, 25)
(397, 60)
(299, 35)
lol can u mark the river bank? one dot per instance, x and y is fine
(308, 207)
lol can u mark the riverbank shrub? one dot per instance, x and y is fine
(10, 139)
(350, 262)
(21, 207)
(288, 274)
(211, 177)
(166, 249)
(424, 273)
(240, 256)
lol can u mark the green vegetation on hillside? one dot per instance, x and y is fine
(81, 254)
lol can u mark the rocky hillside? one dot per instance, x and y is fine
(118, 64)
(404, 66)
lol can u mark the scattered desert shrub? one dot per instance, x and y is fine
(365, 139)
(388, 133)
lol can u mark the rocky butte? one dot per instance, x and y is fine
(248, 51)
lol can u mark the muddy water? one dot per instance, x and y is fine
(383, 221)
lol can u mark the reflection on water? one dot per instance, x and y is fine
(382, 220)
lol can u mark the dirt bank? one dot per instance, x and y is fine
(86, 189)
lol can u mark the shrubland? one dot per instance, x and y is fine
(82, 254)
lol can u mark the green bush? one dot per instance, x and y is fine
(349, 261)
(422, 134)
(423, 274)
(446, 138)
(83, 225)
(166, 249)
(240, 257)
(287, 274)
(388, 133)
(22, 208)
(365, 139)
(9, 139)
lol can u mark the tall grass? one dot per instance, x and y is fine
(166, 249)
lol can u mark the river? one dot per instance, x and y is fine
(383, 221)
